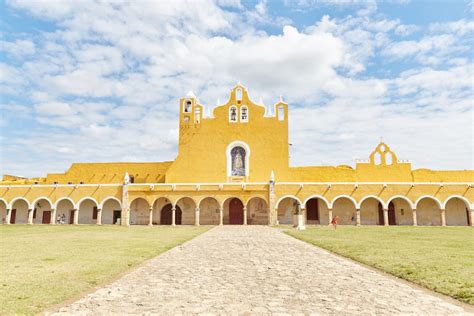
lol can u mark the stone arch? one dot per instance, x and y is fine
(317, 196)
(188, 209)
(139, 211)
(286, 208)
(455, 196)
(359, 205)
(78, 205)
(428, 211)
(438, 202)
(18, 199)
(65, 210)
(457, 210)
(87, 208)
(233, 211)
(344, 196)
(19, 210)
(257, 211)
(42, 198)
(64, 199)
(369, 210)
(111, 210)
(209, 213)
(316, 211)
(3, 210)
(345, 208)
(403, 208)
(287, 196)
(158, 205)
(410, 202)
(246, 203)
(108, 199)
(42, 214)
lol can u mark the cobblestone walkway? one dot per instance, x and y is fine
(256, 270)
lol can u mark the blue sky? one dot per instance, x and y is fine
(83, 81)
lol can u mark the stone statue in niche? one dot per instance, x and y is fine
(238, 161)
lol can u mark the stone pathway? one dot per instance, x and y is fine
(256, 270)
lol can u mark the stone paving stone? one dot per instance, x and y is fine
(256, 270)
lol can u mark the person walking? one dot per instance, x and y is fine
(334, 222)
(58, 219)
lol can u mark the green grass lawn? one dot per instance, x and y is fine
(45, 265)
(439, 258)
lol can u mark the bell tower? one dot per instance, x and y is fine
(190, 111)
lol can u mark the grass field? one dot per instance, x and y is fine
(439, 258)
(45, 265)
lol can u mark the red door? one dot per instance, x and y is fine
(391, 214)
(46, 217)
(312, 211)
(13, 216)
(236, 212)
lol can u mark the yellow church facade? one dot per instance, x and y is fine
(233, 167)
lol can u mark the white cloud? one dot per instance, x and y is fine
(18, 48)
(105, 84)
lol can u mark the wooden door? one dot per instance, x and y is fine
(380, 214)
(46, 217)
(236, 212)
(71, 217)
(391, 214)
(312, 210)
(13, 216)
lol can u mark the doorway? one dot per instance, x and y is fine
(166, 215)
(13, 216)
(46, 217)
(312, 210)
(117, 215)
(236, 212)
(391, 214)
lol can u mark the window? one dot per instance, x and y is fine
(197, 115)
(281, 113)
(244, 116)
(238, 94)
(187, 106)
(132, 179)
(233, 114)
(238, 161)
(94, 212)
